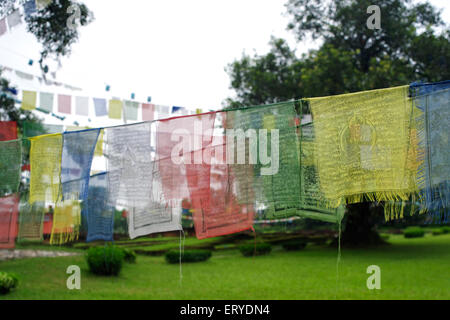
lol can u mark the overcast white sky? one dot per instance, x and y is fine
(172, 50)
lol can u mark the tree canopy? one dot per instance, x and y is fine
(412, 44)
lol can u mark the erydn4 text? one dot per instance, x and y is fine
(228, 309)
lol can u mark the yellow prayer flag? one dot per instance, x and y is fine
(115, 109)
(45, 168)
(28, 100)
(362, 141)
(99, 147)
(66, 222)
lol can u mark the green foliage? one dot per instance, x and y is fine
(446, 229)
(294, 245)
(425, 260)
(129, 255)
(414, 232)
(259, 249)
(107, 260)
(441, 230)
(351, 57)
(8, 281)
(438, 232)
(173, 256)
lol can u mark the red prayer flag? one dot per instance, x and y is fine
(8, 130)
(9, 212)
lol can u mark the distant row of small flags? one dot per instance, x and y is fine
(114, 108)
(15, 18)
(30, 77)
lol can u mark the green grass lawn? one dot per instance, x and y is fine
(410, 269)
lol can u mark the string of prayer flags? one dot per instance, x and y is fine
(115, 109)
(9, 211)
(64, 104)
(28, 100)
(8, 130)
(10, 166)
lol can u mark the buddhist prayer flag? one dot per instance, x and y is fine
(82, 106)
(361, 146)
(14, 19)
(45, 162)
(100, 216)
(64, 104)
(8, 130)
(10, 166)
(3, 27)
(9, 212)
(115, 109)
(100, 107)
(433, 100)
(148, 112)
(135, 181)
(28, 100)
(131, 110)
(31, 219)
(46, 101)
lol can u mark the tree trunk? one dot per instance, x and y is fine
(359, 226)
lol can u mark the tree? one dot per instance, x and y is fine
(351, 58)
(49, 25)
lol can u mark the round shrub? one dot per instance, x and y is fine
(413, 232)
(294, 245)
(173, 256)
(8, 281)
(105, 261)
(249, 250)
(438, 232)
(446, 229)
(129, 256)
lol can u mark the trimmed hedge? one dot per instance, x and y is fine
(106, 261)
(413, 232)
(173, 256)
(294, 245)
(8, 281)
(249, 250)
(446, 229)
